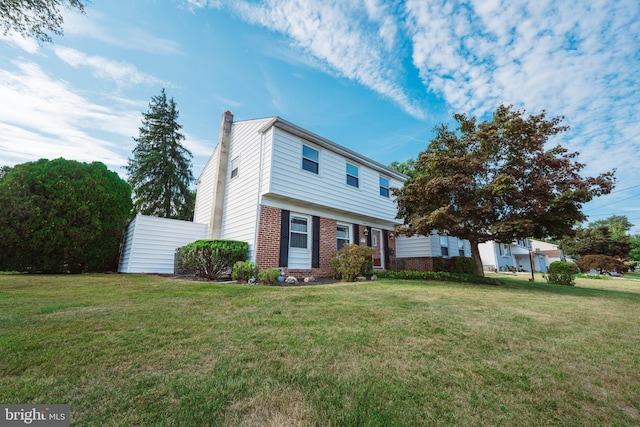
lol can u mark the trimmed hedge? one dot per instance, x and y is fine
(352, 261)
(244, 270)
(437, 275)
(210, 259)
(562, 273)
(456, 265)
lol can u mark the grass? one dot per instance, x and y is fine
(147, 350)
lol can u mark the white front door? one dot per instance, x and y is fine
(299, 242)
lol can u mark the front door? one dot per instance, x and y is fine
(378, 250)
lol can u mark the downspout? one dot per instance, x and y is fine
(224, 140)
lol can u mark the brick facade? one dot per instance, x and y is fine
(268, 239)
(414, 264)
(268, 244)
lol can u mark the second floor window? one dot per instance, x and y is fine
(310, 159)
(235, 163)
(384, 187)
(352, 175)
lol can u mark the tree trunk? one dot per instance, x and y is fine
(475, 254)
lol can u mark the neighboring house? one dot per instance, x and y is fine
(518, 255)
(296, 198)
(417, 252)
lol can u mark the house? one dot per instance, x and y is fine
(296, 198)
(519, 255)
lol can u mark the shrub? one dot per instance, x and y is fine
(243, 271)
(437, 275)
(62, 216)
(269, 276)
(210, 259)
(352, 261)
(562, 273)
(456, 265)
(602, 263)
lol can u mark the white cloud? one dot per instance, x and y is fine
(121, 73)
(572, 58)
(44, 117)
(355, 39)
(97, 26)
(27, 44)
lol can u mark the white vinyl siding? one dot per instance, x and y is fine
(151, 243)
(242, 192)
(327, 188)
(204, 193)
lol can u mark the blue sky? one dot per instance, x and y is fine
(374, 76)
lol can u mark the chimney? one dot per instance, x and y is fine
(220, 180)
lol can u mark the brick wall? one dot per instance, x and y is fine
(268, 244)
(268, 239)
(414, 264)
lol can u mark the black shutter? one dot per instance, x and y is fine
(284, 239)
(315, 242)
(356, 234)
(385, 238)
(369, 236)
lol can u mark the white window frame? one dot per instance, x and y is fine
(349, 235)
(311, 160)
(461, 249)
(307, 232)
(444, 246)
(235, 167)
(386, 188)
(356, 176)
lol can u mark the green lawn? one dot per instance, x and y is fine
(147, 350)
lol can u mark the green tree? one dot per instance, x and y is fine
(160, 171)
(618, 225)
(35, 18)
(408, 167)
(62, 215)
(634, 243)
(496, 181)
(595, 241)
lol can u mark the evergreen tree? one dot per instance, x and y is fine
(160, 171)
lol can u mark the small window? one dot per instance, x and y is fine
(352, 175)
(461, 247)
(343, 232)
(503, 250)
(310, 159)
(444, 245)
(299, 233)
(235, 163)
(384, 187)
